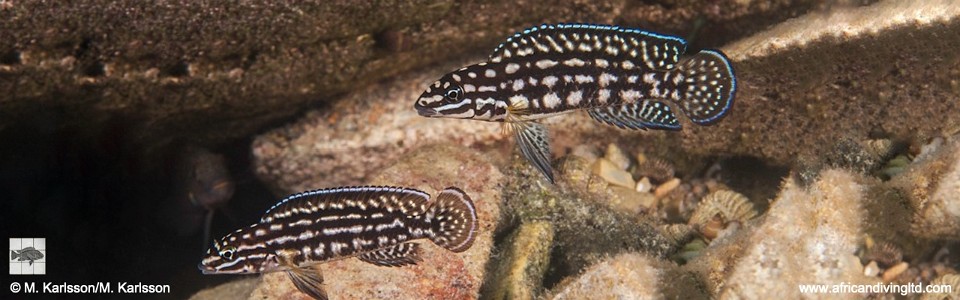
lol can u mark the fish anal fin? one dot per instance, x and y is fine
(534, 143)
(396, 256)
(643, 114)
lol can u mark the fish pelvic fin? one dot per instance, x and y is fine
(454, 220)
(707, 85)
(309, 281)
(534, 143)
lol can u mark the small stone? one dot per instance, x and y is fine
(641, 158)
(890, 274)
(613, 174)
(644, 185)
(615, 155)
(871, 270)
(666, 187)
(630, 201)
(585, 151)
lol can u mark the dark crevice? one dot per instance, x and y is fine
(82, 48)
(180, 69)
(96, 69)
(10, 58)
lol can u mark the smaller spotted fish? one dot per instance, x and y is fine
(375, 224)
(28, 253)
(623, 77)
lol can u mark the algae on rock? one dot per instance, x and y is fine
(521, 267)
(630, 276)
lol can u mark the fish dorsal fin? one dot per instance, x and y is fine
(638, 115)
(28, 248)
(657, 51)
(534, 144)
(313, 201)
(398, 255)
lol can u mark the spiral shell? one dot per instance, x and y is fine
(678, 233)
(884, 253)
(657, 170)
(729, 205)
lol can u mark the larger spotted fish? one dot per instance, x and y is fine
(624, 77)
(375, 224)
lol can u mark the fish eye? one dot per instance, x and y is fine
(453, 94)
(228, 253)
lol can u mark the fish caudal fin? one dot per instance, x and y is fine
(14, 254)
(454, 220)
(707, 85)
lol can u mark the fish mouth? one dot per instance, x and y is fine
(426, 111)
(206, 270)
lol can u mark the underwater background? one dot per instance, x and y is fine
(134, 133)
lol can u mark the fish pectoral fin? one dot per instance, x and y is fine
(396, 256)
(638, 115)
(534, 143)
(309, 281)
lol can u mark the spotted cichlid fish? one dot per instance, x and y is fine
(623, 77)
(375, 224)
(28, 253)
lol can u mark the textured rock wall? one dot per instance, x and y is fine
(806, 84)
(213, 70)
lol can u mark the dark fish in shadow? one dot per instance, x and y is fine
(202, 185)
(28, 253)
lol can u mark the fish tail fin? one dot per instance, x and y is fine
(14, 254)
(454, 220)
(706, 86)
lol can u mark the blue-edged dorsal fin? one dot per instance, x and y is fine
(706, 86)
(398, 255)
(312, 201)
(534, 144)
(638, 115)
(655, 51)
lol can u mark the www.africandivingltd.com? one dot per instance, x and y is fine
(878, 288)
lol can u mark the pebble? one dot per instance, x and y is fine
(613, 174)
(890, 274)
(615, 155)
(644, 185)
(871, 270)
(666, 187)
